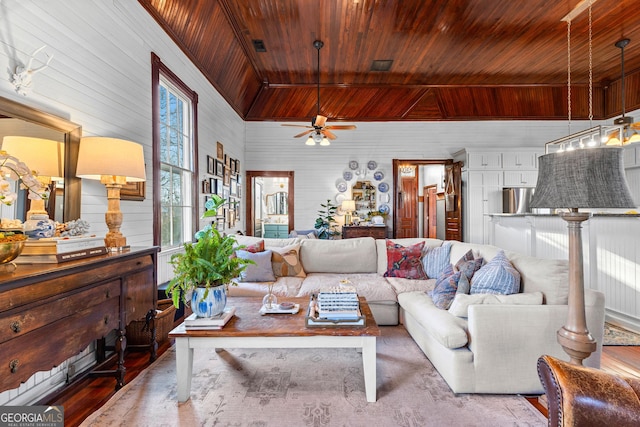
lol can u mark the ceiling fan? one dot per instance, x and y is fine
(319, 132)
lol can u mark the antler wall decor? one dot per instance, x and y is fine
(22, 78)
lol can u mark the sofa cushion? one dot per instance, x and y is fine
(286, 261)
(468, 265)
(461, 302)
(283, 286)
(255, 247)
(261, 271)
(405, 261)
(381, 246)
(498, 276)
(369, 285)
(436, 259)
(339, 256)
(447, 329)
(268, 242)
(445, 288)
(401, 285)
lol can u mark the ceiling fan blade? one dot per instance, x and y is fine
(319, 121)
(328, 134)
(297, 126)
(341, 127)
(303, 133)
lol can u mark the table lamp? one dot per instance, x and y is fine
(581, 178)
(348, 206)
(114, 162)
(44, 156)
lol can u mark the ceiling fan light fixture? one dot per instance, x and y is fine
(325, 142)
(317, 138)
(310, 141)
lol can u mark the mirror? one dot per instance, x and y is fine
(364, 194)
(32, 122)
(277, 203)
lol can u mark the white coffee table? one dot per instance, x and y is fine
(249, 329)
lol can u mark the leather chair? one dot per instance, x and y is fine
(580, 396)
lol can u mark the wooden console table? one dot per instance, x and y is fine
(377, 232)
(51, 312)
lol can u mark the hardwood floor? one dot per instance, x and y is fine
(89, 394)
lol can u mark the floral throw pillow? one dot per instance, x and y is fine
(446, 287)
(405, 261)
(285, 261)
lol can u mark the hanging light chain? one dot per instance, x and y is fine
(569, 73)
(590, 69)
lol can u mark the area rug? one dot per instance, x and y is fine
(615, 335)
(308, 387)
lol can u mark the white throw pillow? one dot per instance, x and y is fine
(460, 305)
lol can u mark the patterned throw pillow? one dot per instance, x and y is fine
(468, 265)
(285, 261)
(446, 288)
(435, 260)
(498, 276)
(261, 271)
(404, 261)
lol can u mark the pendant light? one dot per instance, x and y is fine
(625, 134)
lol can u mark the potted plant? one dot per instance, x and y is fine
(205, 268)
(326, 223)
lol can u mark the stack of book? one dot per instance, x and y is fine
(337, 303)
(217, 322)
(60, 249)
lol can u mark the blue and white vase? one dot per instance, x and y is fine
(211, 306)
(39, 226)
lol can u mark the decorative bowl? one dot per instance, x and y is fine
(10, 251)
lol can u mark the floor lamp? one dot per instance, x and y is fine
(45, 156)
(114, 162)
(581, 178)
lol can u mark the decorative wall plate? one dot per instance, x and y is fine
(372, 165)
(340, 197)
(378, 176)
(384, 209)
(341, 186)
(383, 187)
(347, 175)
(384, 197)
(353, 165)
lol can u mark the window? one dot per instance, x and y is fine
(175, 158)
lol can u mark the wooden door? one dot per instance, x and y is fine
(407, 202)
(429, 215)
(453, 201)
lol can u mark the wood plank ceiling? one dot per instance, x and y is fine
(452, 59)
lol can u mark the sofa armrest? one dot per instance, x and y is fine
(507, 340)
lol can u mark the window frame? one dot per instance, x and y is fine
(157, 69)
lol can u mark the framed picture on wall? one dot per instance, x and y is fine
(133, 191)
(233, 187)
(219, 188)
(219, 150)
(219, 168)
(211, 165)
(212, 185)
(232, 166)
(227, 176)
(206, 188)
(237, 166)
(220, 224)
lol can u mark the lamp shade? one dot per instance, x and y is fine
(348, 205)
(586, 178)
(44, 156)
(100, 156)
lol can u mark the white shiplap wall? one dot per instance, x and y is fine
(100, 78)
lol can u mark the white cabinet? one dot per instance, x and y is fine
(484, 189)
(631, 156)
(520, 179)
(486, 160)
(527, 160)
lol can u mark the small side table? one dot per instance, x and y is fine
(375, 231)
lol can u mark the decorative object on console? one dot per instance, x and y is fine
(45, 157)
(114, 162)
(586, 178)
(348, 206)
(39, 226)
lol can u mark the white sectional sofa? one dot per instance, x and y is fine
(494, 349)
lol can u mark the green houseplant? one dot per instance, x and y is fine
(206, 267)
(326, 223)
